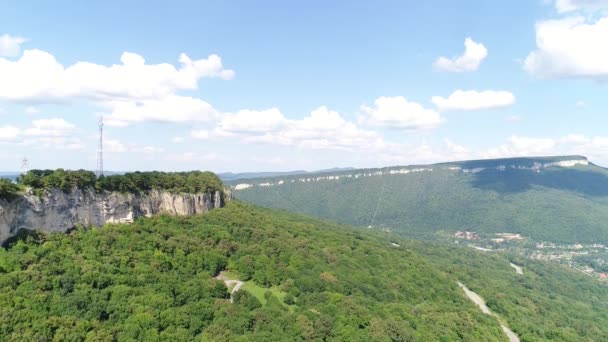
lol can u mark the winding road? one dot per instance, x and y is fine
(475, 298)
(518, 269)
(234, 283)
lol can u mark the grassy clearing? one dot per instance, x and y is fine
(257, 290)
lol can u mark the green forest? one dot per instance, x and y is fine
(563, 205)
(305, 280)
(132, 182)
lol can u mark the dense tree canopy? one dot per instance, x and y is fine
(304, 280)
(154, 280)
(135, 182)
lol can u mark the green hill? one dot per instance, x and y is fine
(559, 199)
(304, 280)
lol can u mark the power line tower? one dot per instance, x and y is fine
(100, 150)
(25, 166)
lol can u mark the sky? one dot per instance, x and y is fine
(274, 85)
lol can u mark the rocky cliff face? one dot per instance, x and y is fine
(60, 211)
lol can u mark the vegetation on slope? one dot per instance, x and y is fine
(134, 182)
(154, 280)
(548, 302)
(555, 204)
(8, 189)
(305, 280)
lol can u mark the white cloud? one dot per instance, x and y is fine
(252, 121)
(56, 127)
(570, 47)
(526, 145)
(170, 109)
(321, 129)
(326, 129)
(53, 133)
(470, 100)
(473, 55)
(574, 139)
(177, 140)
(455, 148)
(8, 133)
(114, 146)
(517, 146)
(581, 104)
(31, 110)
(397, 112)
(201, 134)
(563, 6)
(54, 142)
(38, 77)
(10, 46)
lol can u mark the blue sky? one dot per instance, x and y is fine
(274, 85)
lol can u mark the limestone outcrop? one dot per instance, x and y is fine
(56, 210)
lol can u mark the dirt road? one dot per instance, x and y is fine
(518, 269)
(475, 298)
(231, 283)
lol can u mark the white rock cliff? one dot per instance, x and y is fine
(59, 211)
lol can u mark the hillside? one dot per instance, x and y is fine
(304, 279)
(559, 199)
(154, 279)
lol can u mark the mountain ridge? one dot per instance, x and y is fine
(557, 198)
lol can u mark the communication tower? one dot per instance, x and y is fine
(25, 166)
(100, 150)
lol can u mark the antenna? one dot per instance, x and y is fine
(25, 166)
(100, 150)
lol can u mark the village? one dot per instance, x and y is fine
(591, 259)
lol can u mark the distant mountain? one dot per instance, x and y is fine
(229, 176)
(560, 199)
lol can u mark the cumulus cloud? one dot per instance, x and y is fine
(252, 121)
(563, 6)
(570, 47)
(43, 134)
(398, 112)
(56, 127)
(321, 129)
(10, 46)
(38, 77)
(470, 100)
(473, 55)
(171, 109)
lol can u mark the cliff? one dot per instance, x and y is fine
(56, 210)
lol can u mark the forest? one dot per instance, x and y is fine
(132, 182)
(305, 279)
(556, 204)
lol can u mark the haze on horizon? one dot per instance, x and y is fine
(277, 87)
